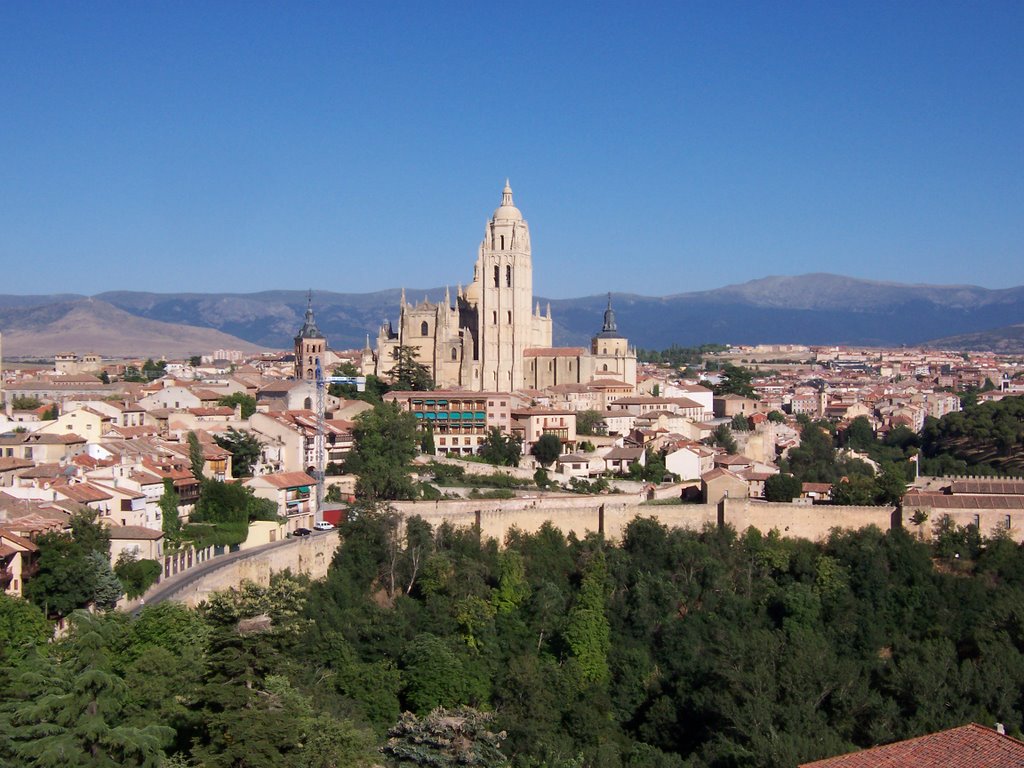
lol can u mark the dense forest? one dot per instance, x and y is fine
(982, 439)
(431, 647)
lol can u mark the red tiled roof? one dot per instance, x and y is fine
(963, 501)
(1001, 487)
(287, 479)
(969, 746)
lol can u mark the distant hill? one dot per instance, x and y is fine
(807, 309)
(1006, 340)
(88, 325)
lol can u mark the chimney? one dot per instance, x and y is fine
(1000, 729)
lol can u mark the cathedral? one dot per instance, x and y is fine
(494, 337)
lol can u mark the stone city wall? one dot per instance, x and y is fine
(308, 555)
(611, 514)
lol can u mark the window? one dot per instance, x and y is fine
(604, 367)
(424, 328)
(494, 315)
(510, 317)
(455, 354)
(497, 274)
(503, 242)
(508, 275)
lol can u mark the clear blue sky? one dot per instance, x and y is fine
(653, 148)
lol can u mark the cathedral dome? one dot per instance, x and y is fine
(507, 211)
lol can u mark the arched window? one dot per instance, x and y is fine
(508, 275)
(494, 315)
(503, 242)
(510, 317)
(455, 354)
(308, 403)
(424, 328)
(604, 367)
(497, 276)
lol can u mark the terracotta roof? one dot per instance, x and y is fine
(83, 493)
(969, 746)
(134, 532)
(963, 501)
(1002, 487)
(624, 453)
(287, 479)
(7, 463)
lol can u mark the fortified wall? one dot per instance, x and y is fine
(312, 555)
(307, 555)
(611, 514)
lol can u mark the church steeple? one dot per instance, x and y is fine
(609, 317)
(309, 329)
(610, 330)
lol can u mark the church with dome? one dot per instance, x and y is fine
(493, 336)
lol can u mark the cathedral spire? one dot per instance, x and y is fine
(609, 317)
(403, 296)
(506, 194)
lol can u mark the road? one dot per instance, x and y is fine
(166, 589)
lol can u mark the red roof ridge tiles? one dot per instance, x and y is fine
(969, 746)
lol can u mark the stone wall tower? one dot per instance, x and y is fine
(505, 274)
(310, 346)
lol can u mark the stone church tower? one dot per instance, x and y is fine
(310, 346)
(503, 291)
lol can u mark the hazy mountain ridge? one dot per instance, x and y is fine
(805, 309)
(89, 325)
(1007, 340)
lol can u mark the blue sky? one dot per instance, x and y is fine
(654, 148)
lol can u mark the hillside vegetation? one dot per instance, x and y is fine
(983, 439)
(675, 649)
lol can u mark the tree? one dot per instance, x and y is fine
(445, 739)
(248, 403)
(70, 710)
(776, 417)
(170, 520)
(22, 627)
(722, 437)
(547, 449)
(736, 380)
(51, 413)
(195, 456)
(195, 361)
(739, 423)
(245, 449)
(73, 570)
(782, 487)
(25, 403)
(859, 435)
(135, 575)
(384, 445)
(408, 373)
(427, 441)
(588, 632)
(104, 377)
(501, 449)
(589, 422)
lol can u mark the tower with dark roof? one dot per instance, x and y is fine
(310, 345)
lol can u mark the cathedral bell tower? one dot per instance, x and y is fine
(505, 273)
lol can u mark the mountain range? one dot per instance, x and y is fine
(805, 309)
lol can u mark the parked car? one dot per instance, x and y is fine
(301, 532)
(323, 525)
